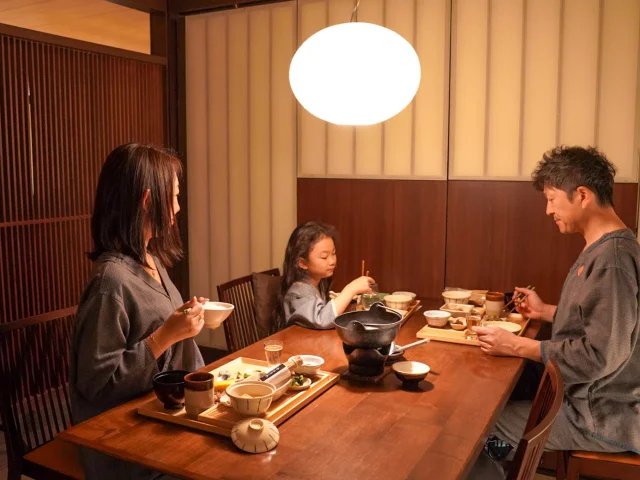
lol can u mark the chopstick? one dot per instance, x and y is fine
(362, 269)
(520, 296)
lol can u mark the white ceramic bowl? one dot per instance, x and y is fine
(410, 373)
(456, 296)
(281, 390)
(437, 318)
(310, 366)
(261, 396)
(215, 313)
(408, 294)
(400, 302)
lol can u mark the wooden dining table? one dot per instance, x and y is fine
(354, 430)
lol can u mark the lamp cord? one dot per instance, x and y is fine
(355, 12)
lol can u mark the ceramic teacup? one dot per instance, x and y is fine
(199, 394)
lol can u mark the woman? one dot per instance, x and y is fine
(131, 321)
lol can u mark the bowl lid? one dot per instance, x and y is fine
(255, 435)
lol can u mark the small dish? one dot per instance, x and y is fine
(408, 294)
(457, 310)
(456, 296)
(306, 384)
(400, 302)
(508, 326)
(310, 365)
(453, 323)
(410, 373)
(515, 317)
(437, 318)
(281, 390)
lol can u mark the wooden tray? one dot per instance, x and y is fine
(220, 419)
(448, 334)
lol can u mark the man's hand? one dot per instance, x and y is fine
(499, 342)
(496, 341)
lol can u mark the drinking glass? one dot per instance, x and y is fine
(472, 321)
(272, 350)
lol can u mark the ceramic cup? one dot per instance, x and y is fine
(494, 304)
(199, 394)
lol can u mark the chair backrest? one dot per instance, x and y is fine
(240, 329)
(544, 411)
(34, 380)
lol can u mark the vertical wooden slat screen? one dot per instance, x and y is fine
(61, 112)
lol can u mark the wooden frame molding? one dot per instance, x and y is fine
(36, 36)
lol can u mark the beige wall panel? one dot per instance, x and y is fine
(369, 138)
(505, 92)
(260, 137)
(340, 139)
(200, 277)
(283, 130)
(469, 68)
(579, 72)
(239, 193)
(542, 50)
(398, 131)
(218, 152)
(618, 85)
(312, 17)
(431, 102)
(196, 78)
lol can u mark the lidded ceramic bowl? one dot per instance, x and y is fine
(255, 435)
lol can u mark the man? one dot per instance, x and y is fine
(595, 325)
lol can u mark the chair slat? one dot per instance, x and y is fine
(241, 328)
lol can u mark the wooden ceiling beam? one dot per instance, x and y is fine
(147, 6)
(191, 7)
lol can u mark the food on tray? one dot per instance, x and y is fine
(456, 307)
(298, 380)
(459, 321)
(226, 378)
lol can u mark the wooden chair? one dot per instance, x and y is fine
(34, 398)
(614, 466)
(240, 328)
(545, 408)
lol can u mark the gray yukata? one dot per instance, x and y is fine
(111, 362)
(595, 343)
(304, 305)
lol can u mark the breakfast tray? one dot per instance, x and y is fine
(221, 419)
(448, 334)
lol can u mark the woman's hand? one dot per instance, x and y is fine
(186, 322)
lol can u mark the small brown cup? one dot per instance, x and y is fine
(199, 394)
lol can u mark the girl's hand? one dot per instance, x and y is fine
(359, 285)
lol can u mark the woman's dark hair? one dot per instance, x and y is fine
(117, 223)
(567, 168)
(300, 244)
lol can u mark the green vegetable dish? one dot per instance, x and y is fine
(298, 380)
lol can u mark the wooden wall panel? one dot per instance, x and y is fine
(396, 226)
(61, 112)
(499, 237)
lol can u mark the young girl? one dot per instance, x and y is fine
(309, 263)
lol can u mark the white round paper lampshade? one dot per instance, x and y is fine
(355, 74)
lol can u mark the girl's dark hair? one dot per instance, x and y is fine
(567, 168)
(300, 244)
(117, 223)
